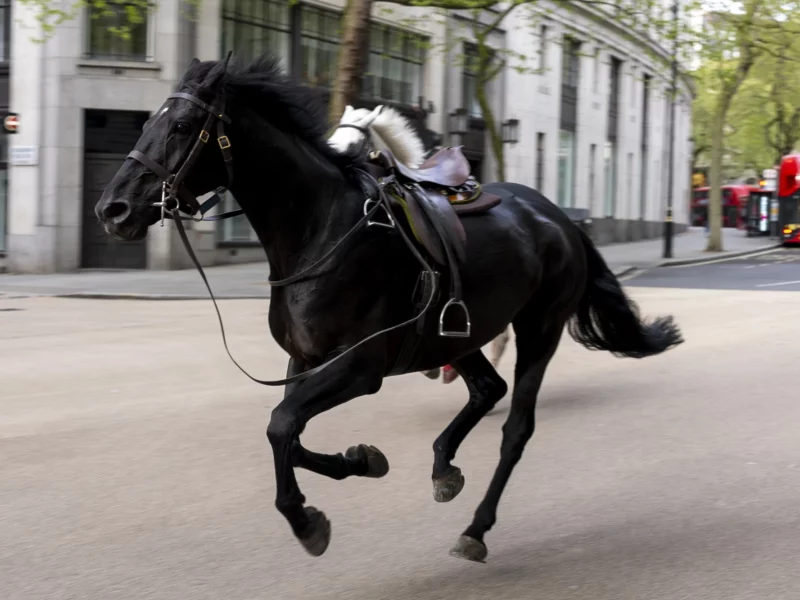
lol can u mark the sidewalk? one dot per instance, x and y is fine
(250, 280)
(688, 247)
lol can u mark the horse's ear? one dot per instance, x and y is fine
(227, 59)
(375, 112)
(217, 74)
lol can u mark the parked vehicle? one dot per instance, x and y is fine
(734, 205)
(789, 199)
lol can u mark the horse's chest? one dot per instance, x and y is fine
(299, 329)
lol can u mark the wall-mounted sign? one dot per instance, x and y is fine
(23, 155)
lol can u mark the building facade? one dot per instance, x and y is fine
(592, 115)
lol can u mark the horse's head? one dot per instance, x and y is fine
(381, 129)
(183, 153)
(354, 128)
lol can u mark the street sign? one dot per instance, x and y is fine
(11, 123)
(23, 155)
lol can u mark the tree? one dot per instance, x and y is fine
(730, 45)
(52, 13)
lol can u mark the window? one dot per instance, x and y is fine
(566, 167)
(254, 28)
(592, 168)
(394, 71)
(103, 44)
(5, 32)
(629, 181)
(540, 162)
(3, 205)
(596, 78)
(235, 229)
(469, 85)
(319, 46)
(645, 129)
(542, 48)
(610, 174)
(570, 63)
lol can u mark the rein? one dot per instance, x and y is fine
(172, 191)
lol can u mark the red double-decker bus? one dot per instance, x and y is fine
(734, 205)
(789, 199)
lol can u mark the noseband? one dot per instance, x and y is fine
(172, 188)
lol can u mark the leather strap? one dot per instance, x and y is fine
(382, 201)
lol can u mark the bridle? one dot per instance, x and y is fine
(173, 191)
(172, 188)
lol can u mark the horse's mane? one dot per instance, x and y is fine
(397, 133)
(295, 109)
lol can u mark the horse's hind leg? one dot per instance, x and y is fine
(536, 344)
(486, 388)
(360, 461)
(499, 347)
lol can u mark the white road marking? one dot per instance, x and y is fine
(778, 283)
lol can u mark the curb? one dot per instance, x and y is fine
(682, 262)
(623, 271)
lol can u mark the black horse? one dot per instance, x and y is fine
(527, 264)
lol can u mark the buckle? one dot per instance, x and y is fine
(224, 142)
(204, 136)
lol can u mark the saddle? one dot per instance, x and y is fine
(434, 198)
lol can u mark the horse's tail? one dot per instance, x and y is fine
(607, 319)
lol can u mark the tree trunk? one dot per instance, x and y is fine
(495, 136)
(352, 62)
(715, 183)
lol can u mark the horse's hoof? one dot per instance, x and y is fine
(317, 535)
(377, 463)
(448, 487)
(469, 549)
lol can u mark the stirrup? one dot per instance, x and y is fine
(459, 334)
(370, 222)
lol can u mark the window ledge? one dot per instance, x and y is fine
(120, 64)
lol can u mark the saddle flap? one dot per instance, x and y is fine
(421, 226)
(483, 203)
(451, 224)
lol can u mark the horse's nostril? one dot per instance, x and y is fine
(116, 211)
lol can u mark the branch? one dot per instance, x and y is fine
(449, 4)
(495, 72)
(771, 142)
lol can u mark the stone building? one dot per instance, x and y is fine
(590, 109)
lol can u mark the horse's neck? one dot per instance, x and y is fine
(295, 209)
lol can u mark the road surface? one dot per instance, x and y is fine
(135, 466)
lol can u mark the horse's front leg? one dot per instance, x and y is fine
(359, 461)
(357, 374)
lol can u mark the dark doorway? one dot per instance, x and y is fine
(108, 137)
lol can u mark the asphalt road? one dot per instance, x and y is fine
(777, 270)
(135, 466)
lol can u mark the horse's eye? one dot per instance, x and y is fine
(183, 128)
